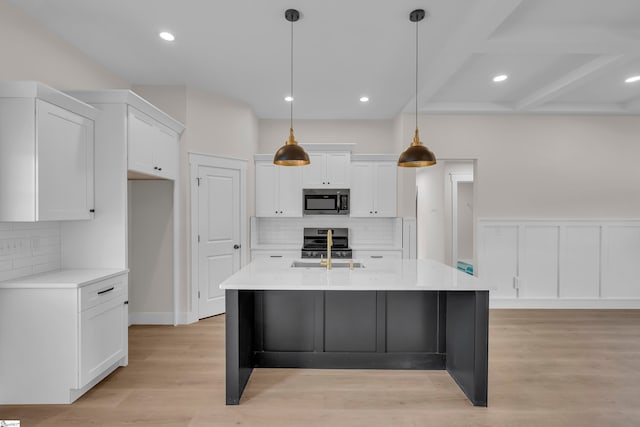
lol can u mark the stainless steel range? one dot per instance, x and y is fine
(314, 243)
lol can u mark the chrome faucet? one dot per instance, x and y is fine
(327, 262)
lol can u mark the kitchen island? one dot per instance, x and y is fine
(382, 314)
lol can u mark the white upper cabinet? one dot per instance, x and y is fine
(374, 188)
(46, 154)
(328, 169)
(150, 140)
(153, 147)
(278, 190)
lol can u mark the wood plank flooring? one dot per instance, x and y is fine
(546, 368)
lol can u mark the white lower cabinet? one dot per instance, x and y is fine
(61, 333)
(103, 325)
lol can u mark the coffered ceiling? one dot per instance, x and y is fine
(561, 56)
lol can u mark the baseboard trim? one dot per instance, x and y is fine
(151, 318)
(565, 303)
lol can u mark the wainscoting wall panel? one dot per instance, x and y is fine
(560, 263)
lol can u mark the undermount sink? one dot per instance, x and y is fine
(316, 264)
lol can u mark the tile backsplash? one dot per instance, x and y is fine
(28, 248)
(378, 233)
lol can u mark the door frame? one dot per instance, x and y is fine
(455, 179)
(195, 161)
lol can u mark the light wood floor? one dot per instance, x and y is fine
(546, 368)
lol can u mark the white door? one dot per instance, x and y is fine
(219, 234)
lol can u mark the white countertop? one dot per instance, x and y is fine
(61, 279)
(377, 274)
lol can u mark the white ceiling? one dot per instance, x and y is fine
(563, 56)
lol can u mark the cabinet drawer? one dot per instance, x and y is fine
(391, 254)
(273, 254)
(103, 291)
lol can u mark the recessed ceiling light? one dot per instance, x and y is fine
(364, 99)
(166, 36)
(288, 98)
(500, 78)
(632, 79)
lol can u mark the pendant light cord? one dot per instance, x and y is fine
(417, 74)
(291, 106)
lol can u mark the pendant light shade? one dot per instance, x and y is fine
(291, 154)
(417, 155)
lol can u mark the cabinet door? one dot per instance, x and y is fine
(385, 179)
(361, 189)
(290, 191)
(267, 182)
(337, 167)
(102, 338)
(65, 164)
(165, 153)
(313, 174)
(140, 142)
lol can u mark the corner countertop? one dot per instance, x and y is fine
(63, 279)
(377, 274)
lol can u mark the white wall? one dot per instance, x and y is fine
(370, 136)
(32, 52)
(150, 250)
(542, 166)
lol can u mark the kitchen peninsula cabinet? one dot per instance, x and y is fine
(46, 154)
(61, 332)
(389, 314)
(374, 187)
(278, 189)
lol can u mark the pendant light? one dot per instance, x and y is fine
(417, 155)
(291, 154)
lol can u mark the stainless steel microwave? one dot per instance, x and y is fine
(325, 201)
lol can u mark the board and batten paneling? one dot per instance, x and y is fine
(621, 261)
(538, 264)
(498, 258)
(580, 260)
(560, 263)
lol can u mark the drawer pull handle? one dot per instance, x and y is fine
(275, 256)
(377, 256)
(106, 290)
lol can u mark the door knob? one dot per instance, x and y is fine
(236, 246)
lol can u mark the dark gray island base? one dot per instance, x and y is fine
(358, 329)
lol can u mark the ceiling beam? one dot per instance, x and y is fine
(575, 78)
(465, 107)
(482, 19)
